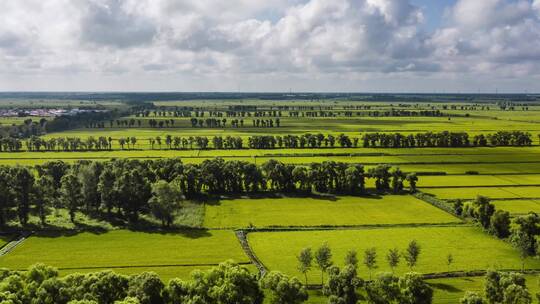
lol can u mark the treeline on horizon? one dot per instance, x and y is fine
(158, 187)
(313, 141)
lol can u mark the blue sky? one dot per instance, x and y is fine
(434, 10)
(278, 45)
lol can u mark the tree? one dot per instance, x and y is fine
(414, 290)
(342, 285)
(370, 259)
(471, 298)
(23, 186)
(227, 283)
(524, 235)
(284, 290)
(305, 259)
(6, 194)
(146, 287)
(500, 224)
(106, 189)
(483, 210)
(412, 253)
(384, 289)
(70, 194)
(506, 288)
(323, 258)
(165, 201)
(45, 196)
(393, 258)
(351, 258)
(412, 179)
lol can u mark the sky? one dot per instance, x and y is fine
(425, 46)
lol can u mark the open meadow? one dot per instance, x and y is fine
(264, 225)
(321, 211)
(471, 248)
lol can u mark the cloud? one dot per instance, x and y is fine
(359, 40)
(488, 36)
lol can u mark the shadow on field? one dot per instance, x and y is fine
(216, 201)
(445, 287)
(187, 233)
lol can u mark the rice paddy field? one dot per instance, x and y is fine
(306, 212)
(472, 249)
(168, 254)
(278, 227)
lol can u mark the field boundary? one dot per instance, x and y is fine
(432, 200)
(7, 248)
(142, 266)
(339, 227)
(244, 243)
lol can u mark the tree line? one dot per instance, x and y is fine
(308, 140)
(227, 283)
(522, 231)
(132, 187)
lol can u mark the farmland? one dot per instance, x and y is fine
(341, 211)
(165, 253)
(471, 249)
(264, 220)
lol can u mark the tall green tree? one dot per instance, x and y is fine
(70, 194)
(370, 259)
(45, 197)
(305, 260)
(165, 201)
(23, 188)
(412, 253)
(392, 257)
(323, 258)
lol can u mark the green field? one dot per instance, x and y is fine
(472, 249)
(124, 250)
(492, 192)
(517, 207)
(340, 211)
(480, 180)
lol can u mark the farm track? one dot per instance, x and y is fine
(242, 238)
(14, 243)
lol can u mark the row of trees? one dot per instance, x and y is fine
(308, 140)
(132, 187)
(446, 139)
(236, 123)
(342, 285)
(322, 257)
(521, 231)
(227, 283)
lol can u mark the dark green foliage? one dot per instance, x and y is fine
(506, 288)
(471, 298)
(500, 224)
(409, 289)
(342, 285)
(284, 290)
(146, 287)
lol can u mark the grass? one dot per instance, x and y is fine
(339, 211)
(450, 290)
(125, 249)
(492, 192)
(480, 180)
(472, 248)
(517, 207)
